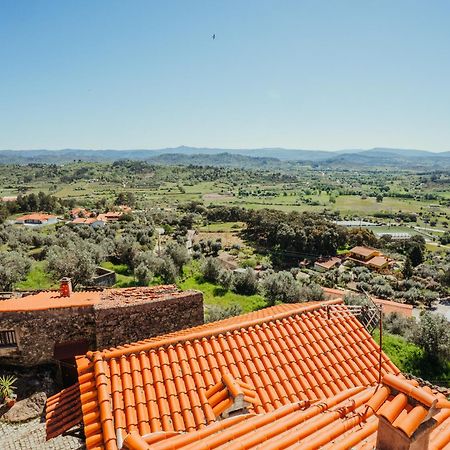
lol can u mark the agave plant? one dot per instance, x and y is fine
(7, 387)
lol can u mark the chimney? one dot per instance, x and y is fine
(390, 437)
(406, 422)
(65, 287)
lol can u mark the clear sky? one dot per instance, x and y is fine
(298, 74)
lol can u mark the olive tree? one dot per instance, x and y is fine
(14, 267)
(280, 286)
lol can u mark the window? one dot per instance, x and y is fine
(8, 338)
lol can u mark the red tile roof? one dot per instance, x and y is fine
(85, 220)
(287, 354)
(66, 408)
(49, 300)
(347, 420)
(329, 263)
(36, 216)
(102, 299)
(363, 251)
(378, 261)
(387, 306)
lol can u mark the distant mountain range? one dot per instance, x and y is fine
(258, 158)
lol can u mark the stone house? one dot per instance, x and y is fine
(55, 326)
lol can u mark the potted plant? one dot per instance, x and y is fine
(7, 389)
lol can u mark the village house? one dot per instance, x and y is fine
(324, 265)
(304, 376)
(110, 216)
(368, 257)
(36, 219)
(55, 326)
(94, 222)
(80, 212)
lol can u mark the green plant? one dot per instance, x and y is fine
(7, 387)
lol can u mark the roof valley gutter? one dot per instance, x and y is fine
(110, 354)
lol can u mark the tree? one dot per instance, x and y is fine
(416, 255)
(396, 323)
(445, 278)
(211, 270)
(75, 261)
(407, 268)
(280, 286)
(312, 292)
(445, 238)
(216, 247)
(379, 198)
(125, 198)
(361, 236)
(433, 335)
(245, 283)
(143, 274)
(178, 253)
(126, 250)
(14, 267)
(168, 270)
(214, 313)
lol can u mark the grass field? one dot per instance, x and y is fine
(215, 295)
(222, 227)
(409, 358)
(37, 278)
(124, 276)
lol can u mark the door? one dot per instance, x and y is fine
(64, 353)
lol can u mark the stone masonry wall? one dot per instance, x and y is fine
(37, 332)
(131, 323)
(102, 326)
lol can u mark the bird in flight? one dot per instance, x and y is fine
(214, 37)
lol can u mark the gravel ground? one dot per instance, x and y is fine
(31, 436)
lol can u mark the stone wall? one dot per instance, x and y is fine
(37, 332)
(104, 277)
(131, 323)
(102, 326)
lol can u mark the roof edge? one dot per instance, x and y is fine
(172, 340)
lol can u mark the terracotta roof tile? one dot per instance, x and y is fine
(378, 261)
(36, 216)
(286, 354)
(343, 421)
(49, 300)
(101, 299)
(63, 411)
(363, 251)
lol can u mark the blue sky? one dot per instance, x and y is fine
(297, 74)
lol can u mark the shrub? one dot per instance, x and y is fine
(214, 313)
(313, 292)
(433, 335)
(245, 283)
(355, 299)
(7, 387)
(168, 270)
(143, 274)
(211, 269)
(395, 323)
(225, 278)
(280, 286)
(14, 267)
(178, 253)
